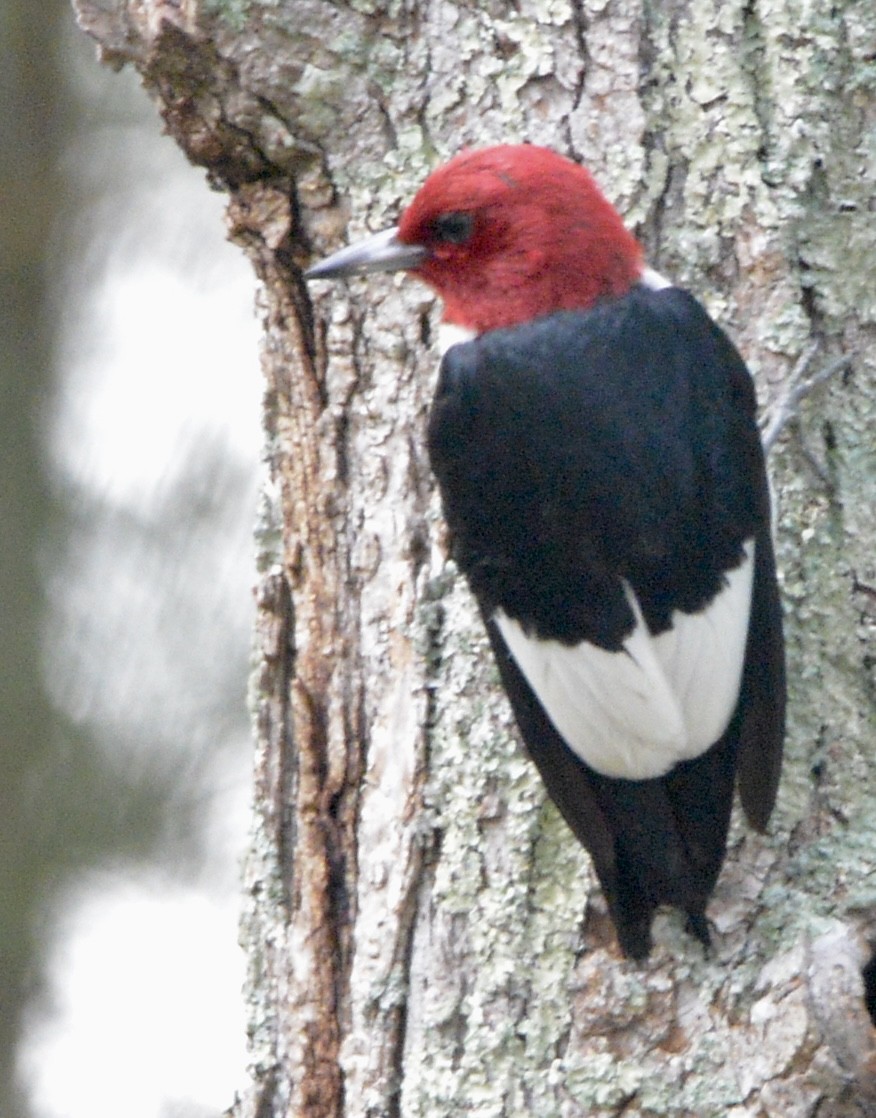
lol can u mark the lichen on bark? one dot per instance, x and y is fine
(424, 936)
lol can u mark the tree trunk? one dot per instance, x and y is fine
(425, 937)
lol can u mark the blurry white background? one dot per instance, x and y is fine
(130, 440)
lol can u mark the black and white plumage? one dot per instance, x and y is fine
(593, 435)
(604, 485)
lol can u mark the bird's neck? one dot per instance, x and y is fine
(465, 319)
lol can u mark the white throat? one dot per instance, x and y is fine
(652, 279)
(449, 334)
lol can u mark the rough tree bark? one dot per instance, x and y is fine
(424, 936)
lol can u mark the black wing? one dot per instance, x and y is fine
(587, 449)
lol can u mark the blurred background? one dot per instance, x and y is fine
(129, 433)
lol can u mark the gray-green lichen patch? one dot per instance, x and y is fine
(469, 1029)
(233, 12)
(825, 549)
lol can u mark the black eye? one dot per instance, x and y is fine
(453, 228)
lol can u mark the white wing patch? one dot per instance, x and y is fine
(638, 712)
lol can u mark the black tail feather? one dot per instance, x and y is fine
(653, 842)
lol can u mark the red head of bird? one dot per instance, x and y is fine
(504, 235)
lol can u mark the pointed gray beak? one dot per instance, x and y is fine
(383, 252)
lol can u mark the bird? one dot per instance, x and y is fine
(594, 438)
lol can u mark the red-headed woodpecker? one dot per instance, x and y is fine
(594, 438)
